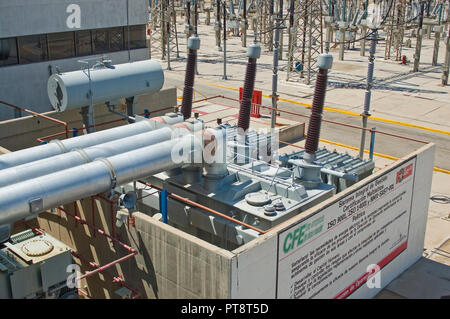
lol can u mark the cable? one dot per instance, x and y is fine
(272, 27)
(440, 199)
(373, 30)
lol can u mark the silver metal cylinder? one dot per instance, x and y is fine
(81, 156)
(58, 147)
(106, 83)
(29, 198)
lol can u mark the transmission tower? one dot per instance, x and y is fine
(395, 31)
(305, 42)
(163, 28)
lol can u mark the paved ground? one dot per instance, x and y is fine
(413, 99)
(403, 103)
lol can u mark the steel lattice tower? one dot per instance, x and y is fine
(395, 31)
(162, 14)
(305, 41)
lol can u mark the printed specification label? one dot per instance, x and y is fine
(332, 254)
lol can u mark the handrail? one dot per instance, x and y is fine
(38, 115)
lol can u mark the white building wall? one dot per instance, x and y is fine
(27, 17)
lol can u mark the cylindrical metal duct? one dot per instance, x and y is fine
(58, 147)
(29, 198)
(186, 104)
(107, 83)
(253, 53)
(324, 62)
(78, 157)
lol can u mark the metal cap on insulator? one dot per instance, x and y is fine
(254, 51)
(193, 43)
(325, 61)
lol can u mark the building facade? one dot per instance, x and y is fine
(41, 37)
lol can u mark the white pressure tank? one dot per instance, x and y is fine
(109, 82)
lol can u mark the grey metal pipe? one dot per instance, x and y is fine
(368, 93)
(27, 199)
(78, 157)
(224, 77)
(352, 177)
(83, 141)
(275, 72)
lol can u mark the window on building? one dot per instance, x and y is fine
(100, 41)
(61, 45)
(33, 48)
(8, 51)
(83, 42)
(116, 39)
(45, 47)
(137, 36)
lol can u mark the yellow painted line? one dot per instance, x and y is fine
(203, 95)
(357, 149)
(179, 98)
(331, 109)
(289, 101)
(441, 170)
(436, 169)
(219, 86)
(410, 125)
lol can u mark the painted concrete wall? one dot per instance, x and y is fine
(254, 268)
(181, 265)
(26, 85)
(27, 17)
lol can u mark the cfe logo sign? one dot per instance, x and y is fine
(404, 173)
(74, 19)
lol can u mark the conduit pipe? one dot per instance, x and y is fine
(78, 157)
(83, 141)
(27, 199)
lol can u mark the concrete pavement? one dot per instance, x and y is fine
(404, 103)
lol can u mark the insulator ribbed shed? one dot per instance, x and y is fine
(186, 104)
(324, 62)
(253, 53)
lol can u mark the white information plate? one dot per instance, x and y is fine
(332, 253)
